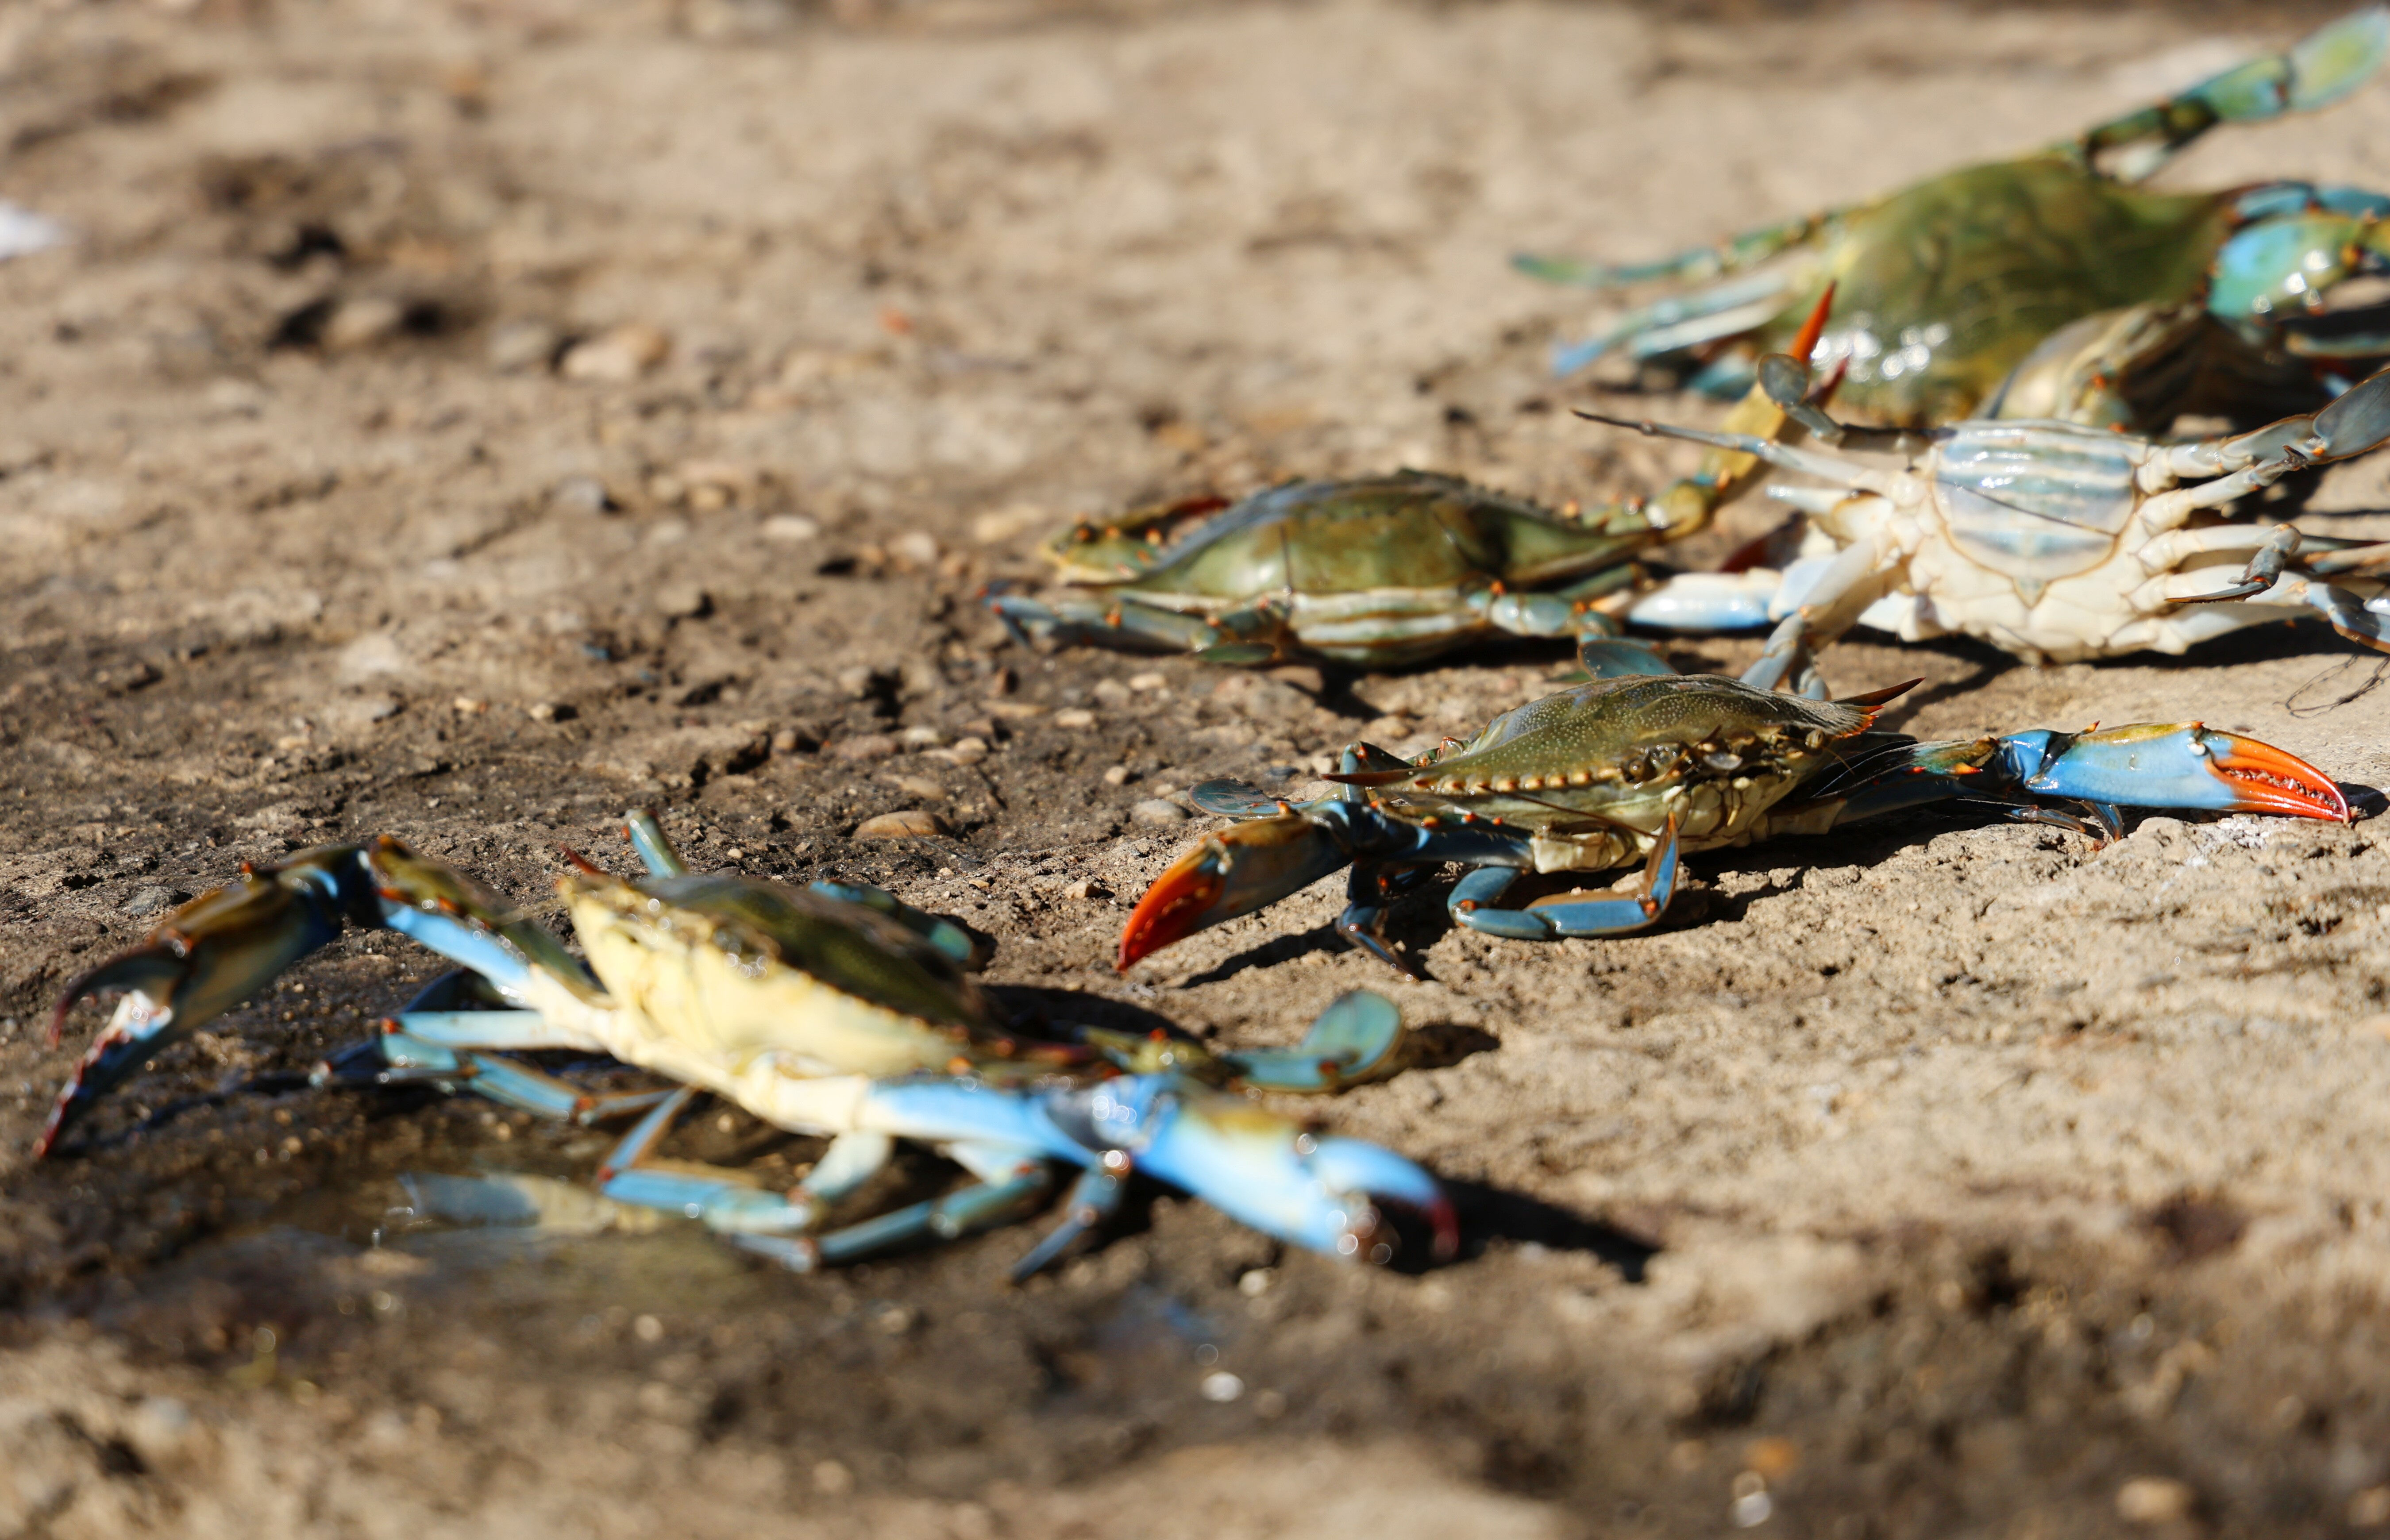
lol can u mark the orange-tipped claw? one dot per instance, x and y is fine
(1239, 869)
(1172, 907)
(2273, 780)
(2168, 765)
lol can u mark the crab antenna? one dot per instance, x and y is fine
(1833, 468)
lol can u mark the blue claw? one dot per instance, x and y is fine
(2171, 765)
(1320, 1193)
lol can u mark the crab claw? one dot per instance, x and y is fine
(2175, 765)
(1241, 868)
(1319, 1191)
(202, 960)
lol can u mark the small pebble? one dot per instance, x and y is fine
(833, 1480)
(967, 750)
(1153, 810)
(1771, 1458)
(684, 601)
(361, 323)
(148, 901)
(788, 529)
(916, 549)
(785, 741)
(617, 356)
(913, 823)
(1087, 888)
(864, 746)
(160, 1427)
(1112, 692)
(922, 738)
(470, 706)
(517, 345)
(1075, 716)
(1021, 711)
(1222, 1387)
(1116, 775)
(2152, 1500)
(1149, 682)
(580, 495)
(541, 710)
(921, 786)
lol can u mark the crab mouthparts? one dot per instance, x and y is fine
(1171, 909)
(2268, 781)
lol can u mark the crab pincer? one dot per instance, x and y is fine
(2190, 765)
(205, 958)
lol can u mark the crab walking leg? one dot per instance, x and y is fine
(1092, 1201)
(731, 1201)
(1319, 1192)
(1119, 621)
(434, 1042)
(1474, 897)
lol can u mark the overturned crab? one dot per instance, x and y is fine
(1646, 767)
(1377, 571)
(1950, 284)
(834, 1011)
(2050, 540)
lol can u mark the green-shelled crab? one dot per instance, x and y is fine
(1377, 571)
(833, 1010)
(1640, 765)
(2058, 261)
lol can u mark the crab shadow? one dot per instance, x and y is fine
(1489, 1214)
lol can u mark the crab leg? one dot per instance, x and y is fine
(2315, 72)
(1319, 1192)
(1111, 620)
(1475, 896)
(2357, 422)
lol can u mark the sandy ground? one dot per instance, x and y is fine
(464, 420)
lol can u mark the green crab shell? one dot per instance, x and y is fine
(1411, 530)
(740, 969)
(1945, 287)
(1630, 753)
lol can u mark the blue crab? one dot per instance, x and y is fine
(1377, 571)
(834, 1011)
(1950, 284)
(1640, 765)
(2053, 540)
